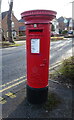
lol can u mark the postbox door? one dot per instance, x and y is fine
(38, 58)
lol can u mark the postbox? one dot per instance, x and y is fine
(38, 30)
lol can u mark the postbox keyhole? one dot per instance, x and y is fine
(43, 63)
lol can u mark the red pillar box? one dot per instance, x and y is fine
(38, 28)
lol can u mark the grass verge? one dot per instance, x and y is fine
(57, 38)
(8, 44)
(65, 73)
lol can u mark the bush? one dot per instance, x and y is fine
(64, 32)
(67, 68)
(65, 74)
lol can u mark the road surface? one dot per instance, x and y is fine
(14, 59)
(14, 62)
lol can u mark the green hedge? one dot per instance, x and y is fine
(67, 68)
(64, 32)
(65, 73)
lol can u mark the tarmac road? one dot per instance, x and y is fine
(14, 63)
(14, 59)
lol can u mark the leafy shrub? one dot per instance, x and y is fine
(65, 32)
(65, 74)
(67, 71)
(67, 68)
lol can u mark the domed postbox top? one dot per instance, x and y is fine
(38, 16)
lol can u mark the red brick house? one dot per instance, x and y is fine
(65, 23)
(15, 26)
(22, 28)
(62, 24)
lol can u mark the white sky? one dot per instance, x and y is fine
(62, 7)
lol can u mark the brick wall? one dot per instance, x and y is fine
(5, 27)
(21, 24)
(61, 25)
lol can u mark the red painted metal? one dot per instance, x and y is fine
(38, 27)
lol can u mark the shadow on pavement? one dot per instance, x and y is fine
(63, 110)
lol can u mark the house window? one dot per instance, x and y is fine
(7, 34)
(12, 24)
(14, 34)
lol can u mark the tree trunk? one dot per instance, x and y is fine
(0, 23)
(9, 22)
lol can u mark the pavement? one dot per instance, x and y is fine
(17, 105)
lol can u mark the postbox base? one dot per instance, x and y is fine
(37, 95)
